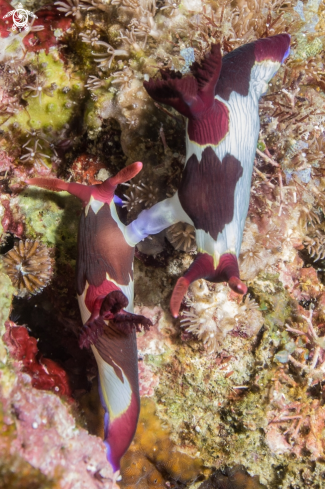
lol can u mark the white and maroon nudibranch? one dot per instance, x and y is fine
(220, 102)
(104, 281)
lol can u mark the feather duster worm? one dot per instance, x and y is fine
(104, 280)
(220, 102)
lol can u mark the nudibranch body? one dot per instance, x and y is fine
(104, 280)
(220, 102)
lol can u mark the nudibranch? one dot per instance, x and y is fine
(104, 281)
(220, 101)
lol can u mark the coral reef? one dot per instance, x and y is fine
(29, 266)
(233, 381)
(212, 315)
(182, 236)
(40, 444)
(44, 373)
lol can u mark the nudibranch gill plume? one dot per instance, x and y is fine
(104, 281)
(220, 101)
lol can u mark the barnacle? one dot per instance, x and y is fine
(39, 88)
(251, 261)
(70, 7)
(182, 236)
(34, 155)
(316, 245)
(29, 267)
(123, 78)
(105, 59)
(148, 194)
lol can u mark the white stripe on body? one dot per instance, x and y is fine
(116, 394)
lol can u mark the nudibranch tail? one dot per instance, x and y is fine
(116, 356)
(203, 267)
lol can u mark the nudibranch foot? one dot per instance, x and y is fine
(203, 267)
(126, 321)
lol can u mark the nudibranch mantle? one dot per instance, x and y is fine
(220, 102)
(104, 282)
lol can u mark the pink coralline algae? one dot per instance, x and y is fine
(51, 20)
(38, 426)
(8, 221)
(5, 7)
(45, 374)
(148, 381)
(47, 437)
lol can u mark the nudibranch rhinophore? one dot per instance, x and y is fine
(220, 102)
(104, 280)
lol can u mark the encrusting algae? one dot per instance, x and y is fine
(153, 460)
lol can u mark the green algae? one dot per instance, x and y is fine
(52, 218)
(50, 112)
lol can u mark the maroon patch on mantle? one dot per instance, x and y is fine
(102, 249)
(207, 190)
(236, 71)
(237, 65)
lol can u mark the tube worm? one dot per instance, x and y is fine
(104, 281)
(220, 101)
